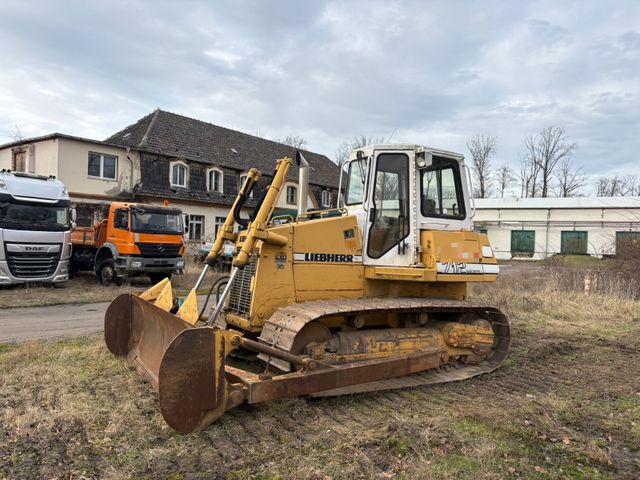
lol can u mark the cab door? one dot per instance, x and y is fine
(390, 238)
(119, 233)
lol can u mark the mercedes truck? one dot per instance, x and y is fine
(35, 228)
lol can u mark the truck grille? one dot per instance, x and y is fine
(159, 250)
(31, 264)
(241, 294)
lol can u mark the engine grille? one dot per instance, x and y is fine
(32, 264)
(159, 250)
(240, 295)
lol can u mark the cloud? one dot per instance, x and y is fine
(434, 73)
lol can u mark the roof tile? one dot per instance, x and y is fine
(177, 136)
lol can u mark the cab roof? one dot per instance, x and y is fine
(24, 186)
(369, 149)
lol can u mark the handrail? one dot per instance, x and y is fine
(322, 213)
(471, 199)
(277, 217)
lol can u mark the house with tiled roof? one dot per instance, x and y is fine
(195, 165)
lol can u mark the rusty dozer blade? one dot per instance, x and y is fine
(192, 387)
(139, 330)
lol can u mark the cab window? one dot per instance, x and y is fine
(356, 180)
(441, 190)
(390, 211)
(121, 219)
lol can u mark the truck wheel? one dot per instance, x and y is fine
(107, 273)
(156, 277)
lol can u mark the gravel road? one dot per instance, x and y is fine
(52, 321)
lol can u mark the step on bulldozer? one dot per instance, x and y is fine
(364, 297)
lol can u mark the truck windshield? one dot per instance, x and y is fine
(145, 220)
(17, 215)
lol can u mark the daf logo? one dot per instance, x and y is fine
(33, 249)
(161, 248)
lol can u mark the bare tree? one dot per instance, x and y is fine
(295, 141)
(261, 133)
(631, 186)
(16, 135)
(617, 186)
(545, 151)
(570, 179)
(609, 186)
(528, 175)
(346, 147)
(482, 148)
(505, 177)
(530, 168)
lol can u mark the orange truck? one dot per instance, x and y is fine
(134, 240)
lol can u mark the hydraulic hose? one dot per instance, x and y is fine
(219, 282)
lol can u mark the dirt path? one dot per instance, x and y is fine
(34, 323)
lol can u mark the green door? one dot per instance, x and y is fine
(573, 243)
(523, 243)
(627, 243)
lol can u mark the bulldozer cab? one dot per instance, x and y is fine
(396, 191)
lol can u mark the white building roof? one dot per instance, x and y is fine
(545, 203)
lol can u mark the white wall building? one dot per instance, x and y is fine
(539, 227)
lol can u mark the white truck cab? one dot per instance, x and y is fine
(35, 225)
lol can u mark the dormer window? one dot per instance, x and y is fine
(215, 177)
(291, 195)
(179, 174)
(326, 199)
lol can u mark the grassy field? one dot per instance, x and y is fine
(566, 404)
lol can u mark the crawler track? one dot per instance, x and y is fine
(282, 327)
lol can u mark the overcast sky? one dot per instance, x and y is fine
(434, 73)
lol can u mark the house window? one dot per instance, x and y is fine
(325, 198)
(102, 166)
(196, 227)
(215, 177)
(291, 195)
(243, 178)
(179, 175)
(219, 223)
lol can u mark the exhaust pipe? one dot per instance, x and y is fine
(303, 182)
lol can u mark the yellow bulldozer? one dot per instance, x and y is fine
(368, 296)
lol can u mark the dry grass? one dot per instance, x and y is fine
(566, 404)
(87, 289)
